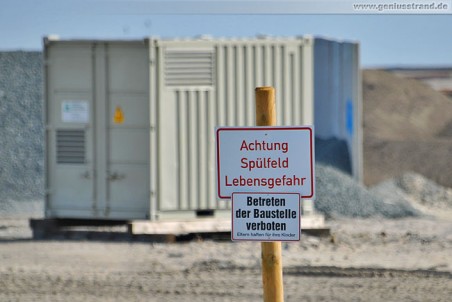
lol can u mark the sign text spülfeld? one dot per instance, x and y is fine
(265, 159)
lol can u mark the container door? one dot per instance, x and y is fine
(69, 120)
(127, 135)
(97, 130)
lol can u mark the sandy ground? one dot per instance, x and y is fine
(363, 260)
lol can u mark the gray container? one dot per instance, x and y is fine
(130, 124)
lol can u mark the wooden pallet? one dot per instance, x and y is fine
(155, 231)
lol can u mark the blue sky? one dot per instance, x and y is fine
(386, 40)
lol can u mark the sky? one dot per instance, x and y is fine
(387, 40)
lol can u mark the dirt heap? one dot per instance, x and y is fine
(407, 127)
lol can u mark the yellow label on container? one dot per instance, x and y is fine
(119, 115)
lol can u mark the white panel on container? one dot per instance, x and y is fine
(68, 66)
(129, 146)
(75, 111)
(72, 188)
(126, 188)
(128, 71)
(69, 152)
(128, 137)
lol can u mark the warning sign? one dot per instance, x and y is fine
(265, 159)
(119, 115)
(266, 217)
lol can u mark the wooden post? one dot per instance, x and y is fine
(272, 277)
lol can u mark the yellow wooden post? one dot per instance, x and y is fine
(272, 277)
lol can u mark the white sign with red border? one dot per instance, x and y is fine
(266, 216)
(265, 159)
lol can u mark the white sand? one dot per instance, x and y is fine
(363, 260)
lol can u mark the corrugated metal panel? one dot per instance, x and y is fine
(191, 179)
(337, 96)
(356, 88)
(189, 115)
(193, 149)
(242, 67)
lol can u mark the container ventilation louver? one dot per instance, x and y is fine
(189, 67)
(70, 146)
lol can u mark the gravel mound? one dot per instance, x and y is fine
(425, 190)
(21, 126)
(337, 194)
(417, 190)
(24, 209)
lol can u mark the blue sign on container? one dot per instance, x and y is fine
(349, 116)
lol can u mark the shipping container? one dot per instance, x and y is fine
(130, 124)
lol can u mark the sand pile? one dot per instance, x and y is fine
(407, 127)
(403, 109)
